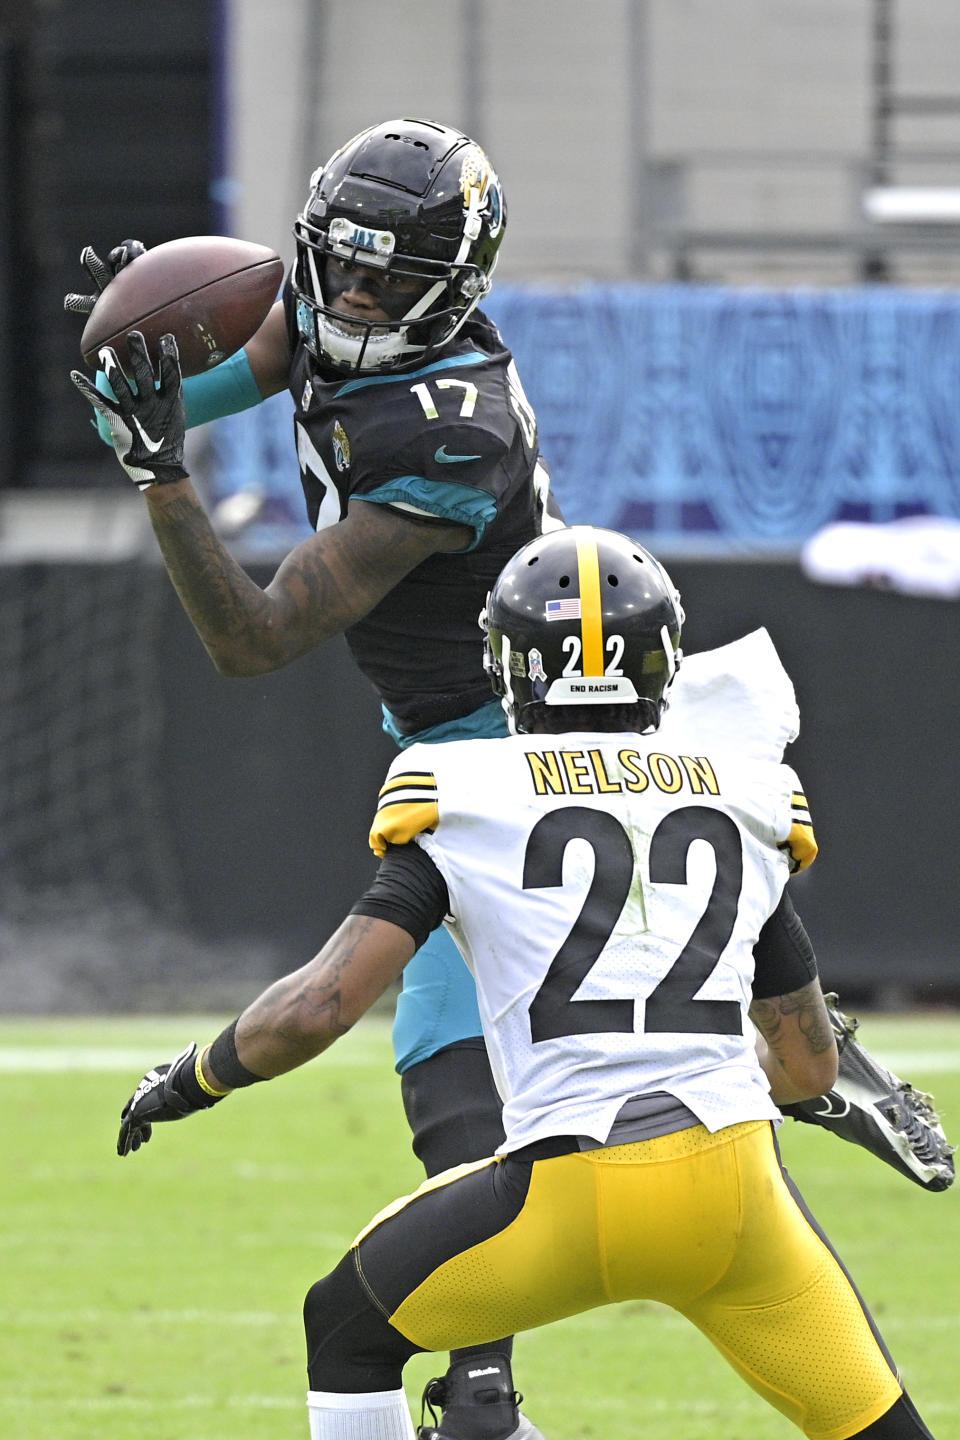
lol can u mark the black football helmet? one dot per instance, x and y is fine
(582, 618)
(413, 199)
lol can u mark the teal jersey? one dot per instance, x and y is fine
(452, 442)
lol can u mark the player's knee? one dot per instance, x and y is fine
(320, 1315)
(331, 1311)
(351, 1346)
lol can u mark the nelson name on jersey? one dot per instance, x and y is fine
(594, 771)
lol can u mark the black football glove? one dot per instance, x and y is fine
(147, 425)
(168, 1092)
(101, 272)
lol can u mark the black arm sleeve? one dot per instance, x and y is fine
(408, 890)
(783, 954)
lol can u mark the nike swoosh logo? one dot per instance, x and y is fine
(834, 1108)
(446, 459)
(152, 445)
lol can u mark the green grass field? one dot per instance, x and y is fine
(160, 1295)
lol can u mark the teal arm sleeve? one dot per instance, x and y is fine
(224, 390)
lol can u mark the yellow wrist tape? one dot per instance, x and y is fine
(201, 1078)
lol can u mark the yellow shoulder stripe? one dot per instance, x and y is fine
(407, 807)
(801, 844)
(423, 781)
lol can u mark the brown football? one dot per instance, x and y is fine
(211, 291)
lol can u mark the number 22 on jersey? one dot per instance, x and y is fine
(672, 1006)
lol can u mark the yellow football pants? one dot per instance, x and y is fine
(704, 1223)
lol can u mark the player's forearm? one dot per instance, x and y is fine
(326, 584)
(784, 1089)
(292, 1022)
(301, 1015)
(796, 1045)
(233, 616)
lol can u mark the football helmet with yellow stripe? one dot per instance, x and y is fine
(582, 619)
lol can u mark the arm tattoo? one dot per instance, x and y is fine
(325, 585)
(224, 604)
(303, 1013)
(812, 1018)
(312, 994)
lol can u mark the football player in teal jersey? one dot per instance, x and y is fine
(421, 474)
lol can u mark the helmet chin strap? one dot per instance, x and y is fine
(421, 306)
(507, 701)
(670, 657)
(314, 275)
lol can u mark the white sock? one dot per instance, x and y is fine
(374, 1415)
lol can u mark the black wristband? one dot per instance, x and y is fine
(226, 1063)
(184, 1081)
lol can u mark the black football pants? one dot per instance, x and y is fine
(453, 1110)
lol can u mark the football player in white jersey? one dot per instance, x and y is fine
(614, 875)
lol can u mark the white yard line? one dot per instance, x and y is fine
(367, 1045)
(113, 1404)
(359, 1050)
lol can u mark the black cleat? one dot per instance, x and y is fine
(475, 1400)
(871, 1107)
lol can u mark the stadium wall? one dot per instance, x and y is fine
(173, 838)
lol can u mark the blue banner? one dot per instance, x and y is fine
(704, 416)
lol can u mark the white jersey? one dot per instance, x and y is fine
(606, 891)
